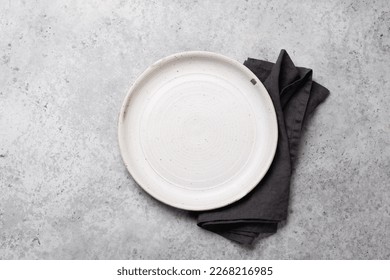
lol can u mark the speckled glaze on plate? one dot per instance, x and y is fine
(197, 130)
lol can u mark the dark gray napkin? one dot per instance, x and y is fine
(295, 96)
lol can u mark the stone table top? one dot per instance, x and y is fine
(65, 67)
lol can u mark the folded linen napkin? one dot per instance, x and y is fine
(295, 96)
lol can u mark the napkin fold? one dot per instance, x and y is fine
(295, 96)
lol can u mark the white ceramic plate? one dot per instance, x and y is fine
(197, 130)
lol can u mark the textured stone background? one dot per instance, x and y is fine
(65, 67)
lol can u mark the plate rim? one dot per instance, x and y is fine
(125, 105)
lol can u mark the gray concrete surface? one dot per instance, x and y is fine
(65, 67)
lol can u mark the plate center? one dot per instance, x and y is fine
(199, 131)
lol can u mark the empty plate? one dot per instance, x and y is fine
(197, 130)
